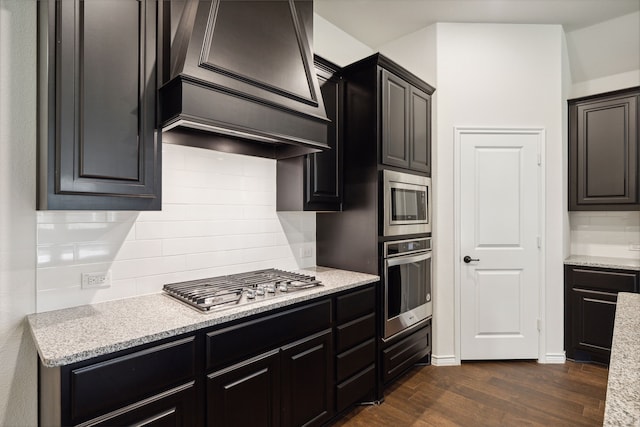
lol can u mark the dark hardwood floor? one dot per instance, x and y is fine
(502, 393)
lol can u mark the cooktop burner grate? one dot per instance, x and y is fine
(242, 288)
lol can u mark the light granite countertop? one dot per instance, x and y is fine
(79, 333)
(605, 262)
(623, 387)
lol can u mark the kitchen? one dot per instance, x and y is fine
(173, 242)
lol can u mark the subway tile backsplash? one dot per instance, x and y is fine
(606, 234)
(218, 217)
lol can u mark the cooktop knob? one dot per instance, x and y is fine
(251, 293)
(283, 287)
(260, 290)
(271, 288)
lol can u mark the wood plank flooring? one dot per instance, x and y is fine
(496, 393)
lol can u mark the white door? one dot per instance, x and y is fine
(499, 231)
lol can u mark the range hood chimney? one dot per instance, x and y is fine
(241, 77)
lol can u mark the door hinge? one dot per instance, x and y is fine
(539, 325)
(539, 240)
(539, 158)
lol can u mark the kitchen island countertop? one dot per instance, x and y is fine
(604, 262)
(623, 386)
(79, 333)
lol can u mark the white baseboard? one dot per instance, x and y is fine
(449, 360)
(551, 358)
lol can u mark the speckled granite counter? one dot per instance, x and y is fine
(79, 333)
(623, 387)
(605, 262)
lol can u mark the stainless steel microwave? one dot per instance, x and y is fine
(407, 203)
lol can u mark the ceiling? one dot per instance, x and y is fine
(376, 22)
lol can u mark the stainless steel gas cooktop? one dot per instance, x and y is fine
(243, 288)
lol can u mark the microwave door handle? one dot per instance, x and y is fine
(407, 259)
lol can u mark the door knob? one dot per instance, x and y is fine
(468, 259)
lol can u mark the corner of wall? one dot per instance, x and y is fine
(18, 370)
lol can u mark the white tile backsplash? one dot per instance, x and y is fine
(606, 234)
(218, 217)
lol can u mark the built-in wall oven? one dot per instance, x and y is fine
(406, 278)
(406, 203)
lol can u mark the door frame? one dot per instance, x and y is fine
(541, 135)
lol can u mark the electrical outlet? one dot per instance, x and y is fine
(96, 280)
(634, 246)
(306, 251)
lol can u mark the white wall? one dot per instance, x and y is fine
(605, 49)
(18, 370)
(492, 75)
(335, 45)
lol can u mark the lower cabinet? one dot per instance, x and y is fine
(289, 386)
(590, 308)
(153, 385)
(172, 408)
(400, 355)
(355, 348)
(296, 366)
(246, 394)
(307, 383)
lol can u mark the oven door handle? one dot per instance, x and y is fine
(407, 259)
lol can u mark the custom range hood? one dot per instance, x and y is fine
(241, 77)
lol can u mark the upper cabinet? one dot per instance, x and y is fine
(383, 96)
(314, 182)
(99, 147)
(604, 151)
(406, 124)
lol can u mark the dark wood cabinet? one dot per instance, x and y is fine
(590, 307)
(399, 355)
(356, 347)
(288, 367)
(282, 360)
(604, 152)
(99, 146)
(175, 408)
(246, 394)
(314, 182)
(406, 123)
(154, 384)
(307, 381)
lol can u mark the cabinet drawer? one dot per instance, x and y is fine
(593, 316)
(241, 341)
(355, 304)
(355, 388)
(112, 384)
(405, 353)
(619, 281)
(355, 332)
(353, 360)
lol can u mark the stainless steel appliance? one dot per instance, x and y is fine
(407, 284)
(407, 207)
(217, 293)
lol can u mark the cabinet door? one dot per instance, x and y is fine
(604, 152)
(395, 120)
(176, 408)
(246, 394)
(420, 135)
(593, 316)
(103, 150)
(323, 177)
(307, 385)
